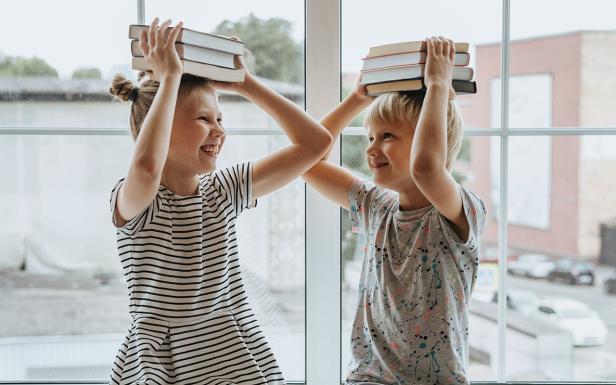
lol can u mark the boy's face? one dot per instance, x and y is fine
(197, 135)
(388, 155)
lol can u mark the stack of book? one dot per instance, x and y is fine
(401, 66)
(202, 54)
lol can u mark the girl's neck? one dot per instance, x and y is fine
(179, 183)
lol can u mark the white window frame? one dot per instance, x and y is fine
(322, 226)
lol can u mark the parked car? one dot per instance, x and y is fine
(584, 324)
(573, 272)
(531, 265)
(610, 284)
(521, 300)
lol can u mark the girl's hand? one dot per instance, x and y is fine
(439, 64)
(237, 87)
(159, 51)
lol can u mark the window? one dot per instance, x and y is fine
(65, 143)
(553, 268)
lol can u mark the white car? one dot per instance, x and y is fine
(521, 300)
(531, 265)
(584, 324)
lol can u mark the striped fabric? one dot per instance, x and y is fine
(191, 320)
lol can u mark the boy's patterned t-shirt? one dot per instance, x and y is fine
(411, 324)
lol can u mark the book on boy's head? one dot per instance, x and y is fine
(194, 53)
(192, 37)
(460, 86)
(408, 46)
(408, 72)
(198, 69)
(406, 58)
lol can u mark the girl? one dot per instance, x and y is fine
(422, 232)
(175, 217)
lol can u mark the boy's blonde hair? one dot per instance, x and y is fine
(400, 108)
(141, 96)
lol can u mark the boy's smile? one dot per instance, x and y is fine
(388, 155)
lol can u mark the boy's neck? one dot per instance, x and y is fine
(411, 198)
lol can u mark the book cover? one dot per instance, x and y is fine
(409, 46)
(194, 53)
(192, 37)
(198, 69)
(408, 72)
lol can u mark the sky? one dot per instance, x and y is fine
(69, 34)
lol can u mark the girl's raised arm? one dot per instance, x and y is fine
(331, 180)
(152, 144)
(309, 140)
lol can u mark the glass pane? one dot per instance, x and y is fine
(64, 299)
(562, 67)
(475, 163)
(561, 281)
(69, 68)
(380, 23)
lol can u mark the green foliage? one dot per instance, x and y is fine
(19, 66)
(87, 73)
(273, 53)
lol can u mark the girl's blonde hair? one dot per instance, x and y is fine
(403, 108)
(141, 96)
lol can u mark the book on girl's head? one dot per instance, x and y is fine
(198, 69)
(192, 37)
(408, 46)
(460, 86)
(194, 53)
(407, 58)
(407, 72)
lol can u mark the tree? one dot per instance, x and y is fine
(87, 73)
(19, 66)
(273, 54)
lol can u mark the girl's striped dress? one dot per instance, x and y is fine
(191, 322)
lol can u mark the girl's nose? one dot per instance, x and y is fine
(218, 131)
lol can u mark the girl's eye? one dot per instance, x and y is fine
(203, 118)
(387, 135)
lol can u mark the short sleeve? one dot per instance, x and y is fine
(476, 215)
(141, 220)
(235, 183)
(361, 198)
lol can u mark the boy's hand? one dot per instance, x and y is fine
(439, 64)
(158, 48)
(360, 93)
(237, 87)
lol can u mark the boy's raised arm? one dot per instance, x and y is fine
(429, 149)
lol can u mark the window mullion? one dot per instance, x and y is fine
(502, 225)
(322, 217)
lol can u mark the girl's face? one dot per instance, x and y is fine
(197, 135)
(389, 155)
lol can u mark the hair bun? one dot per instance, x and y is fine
(123, 89)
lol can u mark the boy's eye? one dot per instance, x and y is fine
(203, 118)
(387, 135)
